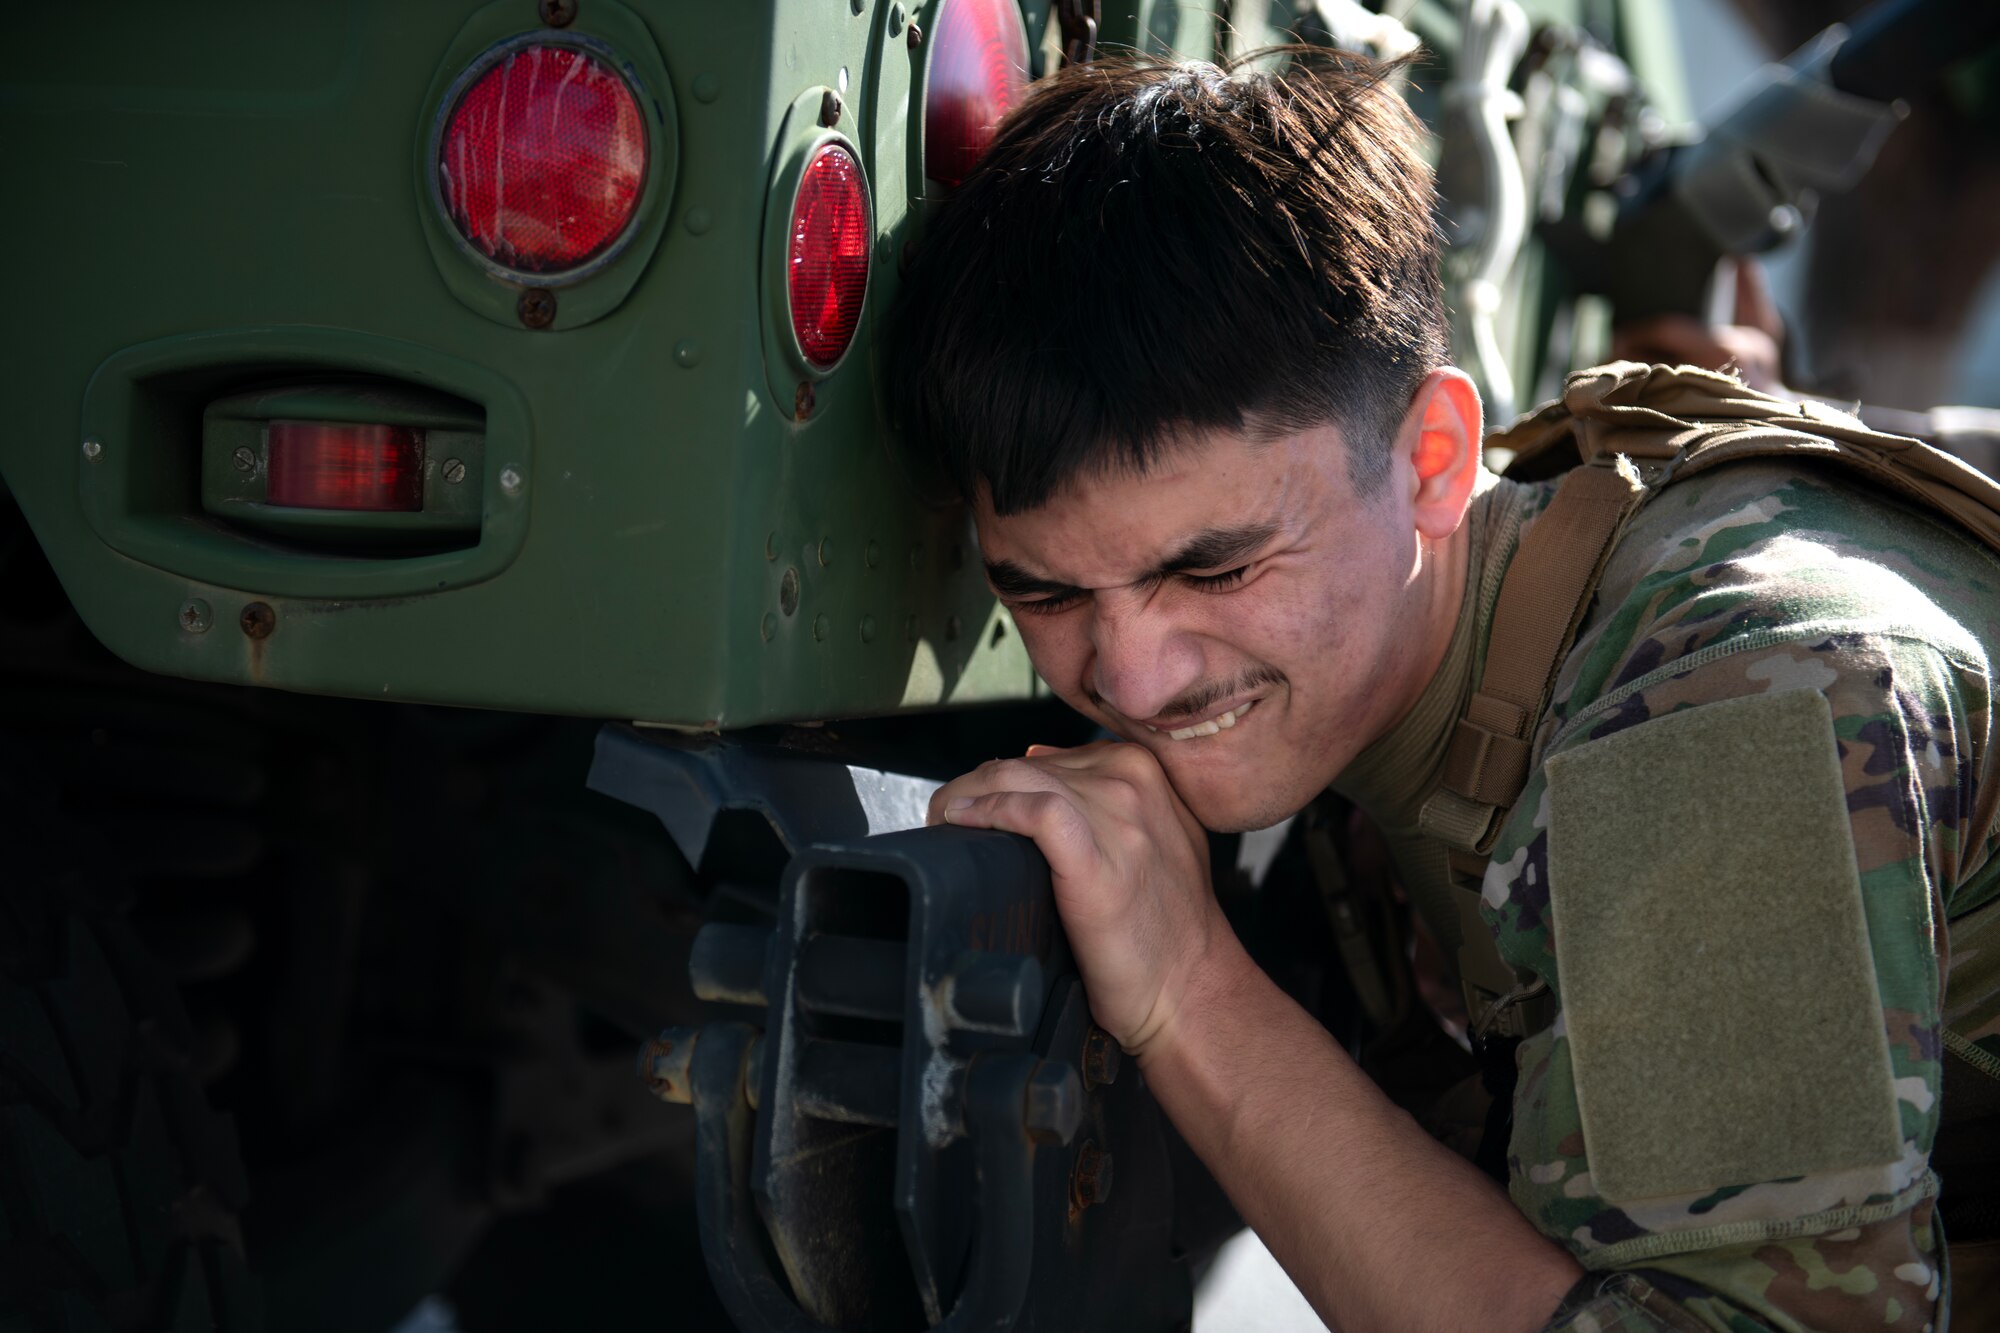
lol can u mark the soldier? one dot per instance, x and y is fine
(1181, 344)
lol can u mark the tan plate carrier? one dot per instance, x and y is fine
(1620, 434)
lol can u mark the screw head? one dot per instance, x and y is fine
(558, 13)
(1090, 1181)
(687, 354)
(93, 450)
(803, 400)
(1101, 1057)
(196, 616)
(537, 308)
(707, 88)
(257, 620)
(453, 470)
(245, 458)
(788, 591)
(916, 37)
(510, 480)
(829, 108)
(897, 18)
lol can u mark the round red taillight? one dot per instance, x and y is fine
(978, 71)
(542, 160)
(826, 263)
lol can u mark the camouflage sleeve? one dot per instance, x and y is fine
(1813, 1207)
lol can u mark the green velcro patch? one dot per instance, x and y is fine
(1716, 978)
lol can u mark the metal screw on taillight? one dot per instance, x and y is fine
(829, 108)
(558, 13)
(195, 616)
(454, 470)
(245, 458)
(537, 308)
(257, 620)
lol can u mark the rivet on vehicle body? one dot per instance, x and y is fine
(93, 450)
(788, 592)
(916, 37)
(558, 13)
(768, 627)
(707, 88)
(196, 616)
(803, 400)
(510, 480)
(829, 108)
(820, 628)
(453, 470)
(257, 620)
(698, 221)
(1090, 1182)
(856, 6)
(687, 355)
(537, 308)
(245, 458)
(1101, 1057)
(871, 555)
(897, 18)
(867, 629)
(770, 546)
(825, 552)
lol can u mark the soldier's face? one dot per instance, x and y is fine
(1239, 610)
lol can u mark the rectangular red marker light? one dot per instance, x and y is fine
(337, 465)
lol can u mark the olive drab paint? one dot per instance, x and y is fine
(244, 201)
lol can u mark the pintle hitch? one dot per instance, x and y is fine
(905, 1118)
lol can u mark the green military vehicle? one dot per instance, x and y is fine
(465, 615)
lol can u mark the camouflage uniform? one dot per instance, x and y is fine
(1756, 580)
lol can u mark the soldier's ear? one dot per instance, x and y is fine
(1438, 451)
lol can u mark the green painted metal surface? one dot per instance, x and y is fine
(237, 199)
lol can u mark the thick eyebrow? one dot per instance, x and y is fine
(1212, 548)
(1215, 548)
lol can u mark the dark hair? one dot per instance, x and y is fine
(1150, 247)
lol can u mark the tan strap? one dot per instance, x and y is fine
(1542, 601)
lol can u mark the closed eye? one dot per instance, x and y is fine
(1046, 606)
(1228, 578)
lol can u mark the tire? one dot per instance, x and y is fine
(119, 1186)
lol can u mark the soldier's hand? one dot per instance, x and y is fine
(1129, 865)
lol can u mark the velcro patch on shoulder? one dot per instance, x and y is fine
(1712, 953)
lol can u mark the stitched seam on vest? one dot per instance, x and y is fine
(1752, 642)
(1663, 1243)
(1977, 1056)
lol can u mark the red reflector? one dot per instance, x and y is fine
(541, 162)
(979, 69)
(328, 465)
(827, 269)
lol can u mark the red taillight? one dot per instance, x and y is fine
(978, 71)
(826, 268)
(542, 160)
(330, 465)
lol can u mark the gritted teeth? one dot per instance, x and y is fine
(1213, 725)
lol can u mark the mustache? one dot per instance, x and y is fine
(1206, 696)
